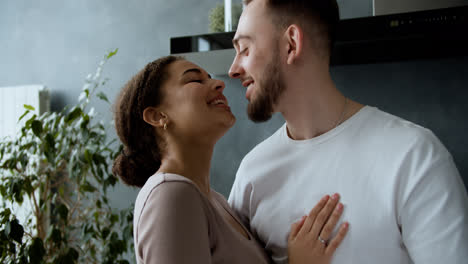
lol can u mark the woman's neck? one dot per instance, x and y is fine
(190, 161)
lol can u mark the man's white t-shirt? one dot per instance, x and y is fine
(403, 196)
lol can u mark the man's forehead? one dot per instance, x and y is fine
(252, 16)
(254, 6)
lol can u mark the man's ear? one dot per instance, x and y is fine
(154, 117)
(295, 41)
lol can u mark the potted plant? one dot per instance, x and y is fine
(60, 162)
(216, 17)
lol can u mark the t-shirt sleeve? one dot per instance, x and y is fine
(433, 206)
(173, 226)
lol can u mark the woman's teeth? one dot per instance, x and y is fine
(218, 101)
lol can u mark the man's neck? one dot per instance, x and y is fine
(313, 106)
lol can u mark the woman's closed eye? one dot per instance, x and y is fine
(199, 80)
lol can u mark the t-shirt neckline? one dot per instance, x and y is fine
(327, 135)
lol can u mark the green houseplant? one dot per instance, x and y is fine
(216, 17)
(60, 162)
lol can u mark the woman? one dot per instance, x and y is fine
(169, 117)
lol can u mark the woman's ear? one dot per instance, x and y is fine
(295, 41)
(154, 117)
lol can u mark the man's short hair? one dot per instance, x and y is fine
(315, 16)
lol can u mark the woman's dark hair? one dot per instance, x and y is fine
(141, 155)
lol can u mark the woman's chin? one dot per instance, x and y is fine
(228, 121)
(226, 125)
(232, 121)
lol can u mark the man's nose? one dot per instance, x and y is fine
(236, 70)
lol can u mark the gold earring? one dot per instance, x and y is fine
(165, 126)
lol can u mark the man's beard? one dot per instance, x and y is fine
(269, 89)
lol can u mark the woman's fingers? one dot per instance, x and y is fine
(309, 221)
(327, 230)
(295, 227)
(336, 241)
(323, 215)
(304, 242)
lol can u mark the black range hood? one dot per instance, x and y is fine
(417, 35)
(428, 34)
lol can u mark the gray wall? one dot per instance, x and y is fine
(57, 43)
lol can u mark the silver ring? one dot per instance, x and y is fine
(323, 241)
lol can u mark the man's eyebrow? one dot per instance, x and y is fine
(196, 71)
(236, 40)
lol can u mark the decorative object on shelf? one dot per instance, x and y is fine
(60, 161)
(217, 17)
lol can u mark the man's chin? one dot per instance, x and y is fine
(258, 114)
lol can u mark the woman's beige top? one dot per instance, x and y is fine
(176, 223)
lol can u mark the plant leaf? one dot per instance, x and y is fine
(72, 255)
(36, 251)
(36, 126)
(29, 107)
(88, 156)
(12, 247)
(49, 148)
(87, 187)
(56, 236)
(102, 96)
(62, 211)
(23, 115)
(112, 53)
(105, 232)
(6, 213)
(16, 231)
(83, 96)
(73, 115)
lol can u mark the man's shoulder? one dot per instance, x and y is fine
(397, 131)
(402, 127)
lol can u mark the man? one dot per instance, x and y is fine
(405, 200)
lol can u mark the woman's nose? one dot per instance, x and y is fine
(219, 85)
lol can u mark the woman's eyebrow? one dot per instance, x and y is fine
(192, 70)
(196, 71)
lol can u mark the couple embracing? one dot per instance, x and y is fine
(405, 200)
